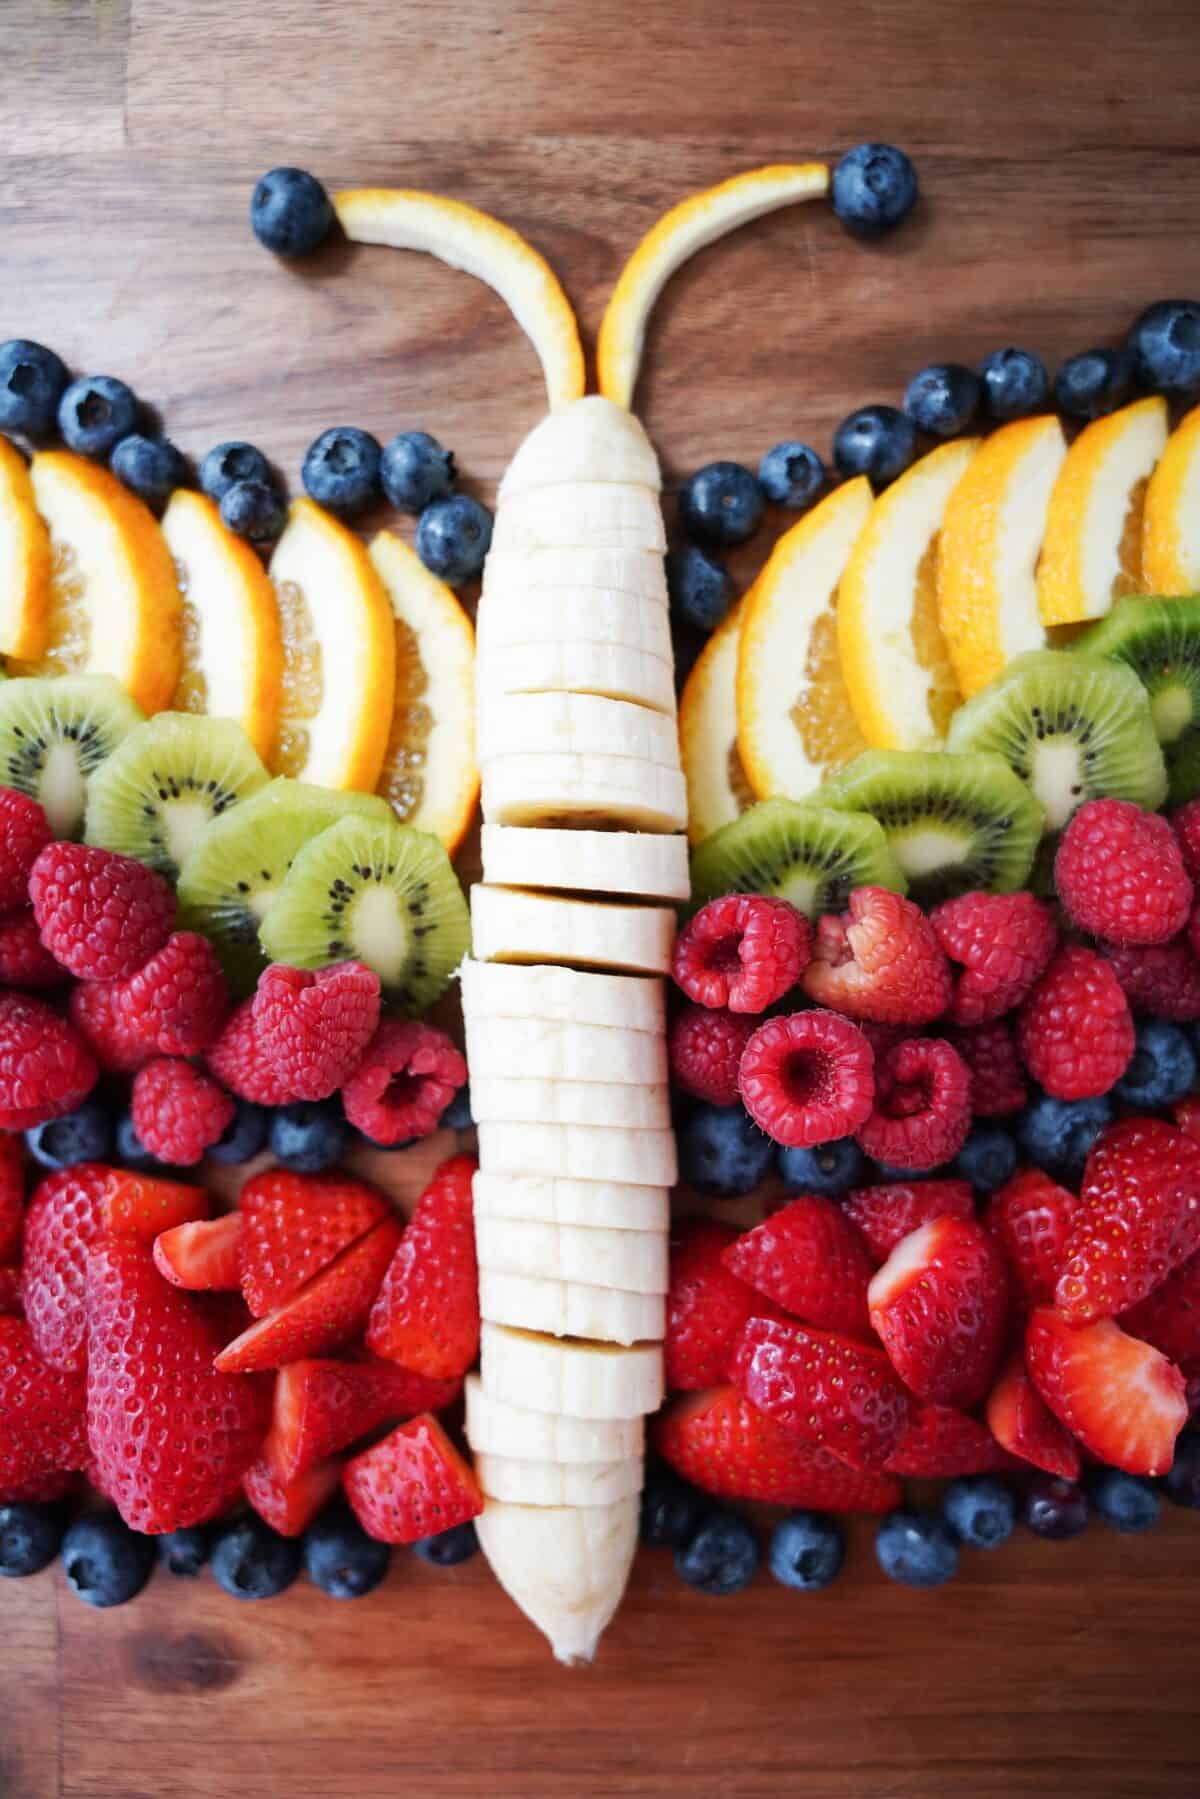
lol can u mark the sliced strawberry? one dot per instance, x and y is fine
(811, 1260)
(146, 1205)
(10, 1292)
(886, 1215)
(939, 1304)
(1169, 1318)
(12, 1195)
(1030, 1217)
(42, 1429)
(942, 1443)
(827, 1388)
(330, 1310)
(1124, 1401)
(204, 1256)
(39, 1489)
(1138, 1219)
(707, 1305)
(412, 1484)
(293, 1225)
(1019, 1418)
(427, 1314)
(291, 1509)
(323, 1406)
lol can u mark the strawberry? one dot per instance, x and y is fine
(1186, 1113)
(707, 1305)
(291, 1509)
(811, 1260)
(939, 1303)
(10, 1293)
(1138, 1219)
(887, 1214)
(721, 1442)
(171, 1437)
(12, 1195)
(1030, 1217)
(942, 1443)
(427, 1314)
(1169, 1318)
(327, 1312)
(144, 1204)
(203, 1256)
(322, 1406)
(293, 1225)
(412, 1484)
(1124, 1401)
(1019, 1418)
(826, 1388)
(42, 1431)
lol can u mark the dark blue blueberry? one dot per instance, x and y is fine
(453, 537)
(720, 1557)
(721, 503)
(807, 1551)
(916, 1548)
(457, 1116)
(449, 1547)
(254, 510)
(1015, 383)
(943, 399)
(290, 212)
(980, 1511)
(876, 441)
(341, 1559)
(245, 1137)
(874, 188)
(341, 470)
(831, 1168)
(415, 470)
(1181, 1483)
(987, 1159)
(130, 1150)
(95, 413)
(671, 1510)
(1058, 1134)
(687, 645)
(1123, 1500)
(309, 1135)
(1165, 341)
(30, 1536)
(150, 467)
(185, 1552)
(722, 1151)
(228, 463)
(1054, 1508)
(1094, 383)
(85, 1135)
(792, 475)
(887, 1171)
(252, 1561)
(104, 1561)
(32, 381)
(700, 589)
(1161, 1070)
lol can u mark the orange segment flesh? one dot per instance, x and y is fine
(25, 559)
(1171, 527)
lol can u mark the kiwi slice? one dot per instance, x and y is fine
(1074, 726)
(380, 892)
(955, 824)
(170, 778)
(54, 732)
(805, 853)
(1160, 641)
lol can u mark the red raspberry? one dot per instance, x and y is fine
(922, 1111)
(407, 1078)
(744, 951)
(178, 1111)
(886, 1215)
(880, 960)
(24, 959)
(100, 915)
(117, 1047)
(46, 1068)
(1003, 941)
(24, 833)
(998, 1086)
(1029, 1218)
(12, 1196)
(178, 1003)
(240, 1061)
(1074, 1032)
(316, 1027)
(807, 1079)
(705, 1048)
(1120, 874)
(1186, 825)
(1162, 979)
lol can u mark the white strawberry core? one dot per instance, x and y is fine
(909, 1258)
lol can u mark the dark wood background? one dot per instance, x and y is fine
(1057, 145)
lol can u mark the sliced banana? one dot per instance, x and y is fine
(512, 574)
(522, 1100)
(649, 865)
(558, 1483)
(545, 1049)
(580, 1152)
(593, 1205)
(627, 1261)
(571, 615)
(591, 440)
(571, 1308)
(510, 926)
(557, 1374)
(578, 723)
(496, 1428)
(610, 669)
(505, 990)
(602, 515)
(535, 789)
(564, 1566)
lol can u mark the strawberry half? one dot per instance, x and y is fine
(811, 1260)
(42, 1430)
(1030, 1217)
(204, 1256)
(412, 1484)
(10, 1292)
(939, 1305)
(1124, 1401)
(12, 1195)
(942, 1443)
(828, 1389)
(291, 1509)
(427, 1314)
(327, 1312)
(1169, 1318)
(322, 1406)
(1019, 1418)
(293, 1225)
(707, 1305)
(885, 1215)
(1138, 1219)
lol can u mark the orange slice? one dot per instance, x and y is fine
(1171, 528)
(717, 788)
(25, 561)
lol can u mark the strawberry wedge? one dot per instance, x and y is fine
(322, 1406)
(290, 1508)
(412, 1484)
(202, 1256)
(1123, 1400)
(327, 1312)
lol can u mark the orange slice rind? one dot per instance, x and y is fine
(717, 788)
(25, 561)
(1171, 527)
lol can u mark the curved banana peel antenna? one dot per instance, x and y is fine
(688, 227)
(468, 239)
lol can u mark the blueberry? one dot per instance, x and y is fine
(449, 1547)
(308, 1136)
(290, 212)
(943, 399)
(792, 475)
(415, 470)
(721, 1557)
(1054, 1508)
(987, 1159)
(30, 1536)
(185, 1552)
(105, 1562)
(254, 510)
(32, 381)
(671, 1510)
(721, 503)
(252, 1561)
(874, 188)
(916, 1548)
(341, 470)
(1058, 1134)
(341, 1559)
(831, 1168)
(722, 1151)
(980, 1511)
(130, 1150)
(876, 441)
(700, 589)
(807, 1551)
(1093, 383)
(228, 463)
(457, 1116)
(1123, 1500)
(453, 537)
(85, 1135)
(245, 1137)
(150, 467)
(95, 413)
(1165, 341)
(1015, 383)
(1161, 1070)
(1181, 1483)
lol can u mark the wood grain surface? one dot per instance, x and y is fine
(1058, 152)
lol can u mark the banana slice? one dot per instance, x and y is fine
(497, 1099)
(564, 1566)
(572, 615)
(626, 1261)
(533, 789)
(593, 1205)
(610, 669)
(496, 1428)
(643, 863)
(580, 1152)
(602, 515)
(554, 1483)
(571, 1308)
(557, 1374)
(590, 440)
(510, 926)
(504, 990)
(511, 574)
(575, 723)
(548, 1051)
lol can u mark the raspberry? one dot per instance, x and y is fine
(316, 1027)
(922, 1111)
(178, 1111)
(1160, 979)
(178, 1002)
(1074, 1032)
(744, 951)
(1186, 825)
(705, 1048)
(880, 960)
(100, 915)
(92, 1007)
(998, 1086)
(407, 1078)
(24, 833)
(1003, 942)
(1120, 874)
(24, 959)
(240, 1061)
(807, 1079)
(46, 1068)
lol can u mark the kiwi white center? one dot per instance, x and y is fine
(378, 929)
(61, 789)
(926, 848)
(802, 891)
(183, 821)
(1056, 777)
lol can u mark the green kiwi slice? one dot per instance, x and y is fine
(1160, 641)
(1075, 727)
(377, 891)
(808, 854)
(955, 824)
(169, 779)
(54, 732)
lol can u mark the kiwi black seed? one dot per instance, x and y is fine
(55, 731)
(808, 854)
(1159, 639)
